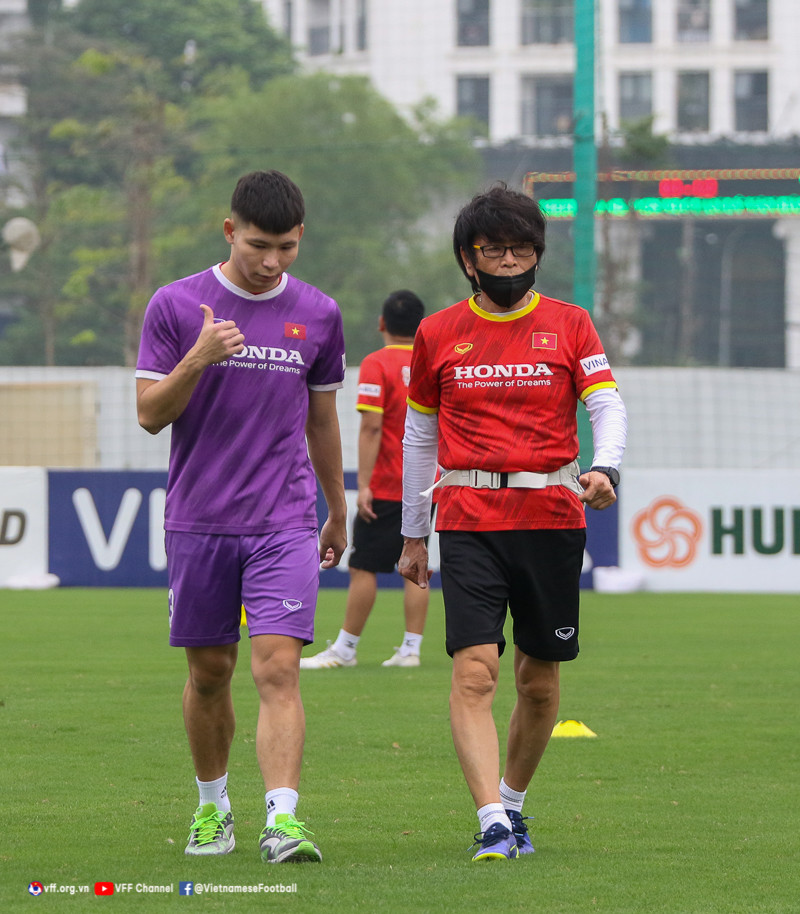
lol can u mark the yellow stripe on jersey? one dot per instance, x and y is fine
(407, 346)
(428, 410)
(602, 385)
(513, 316)
(364, 408)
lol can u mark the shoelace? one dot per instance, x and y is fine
(518, 826)
(208, 829)
(293, 829)
(494, 836)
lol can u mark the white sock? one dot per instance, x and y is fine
(215, 792)
(491, 813)
(411, 644)
(281, 800)
(345, 644)
(512, 799)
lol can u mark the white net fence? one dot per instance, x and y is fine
(700, 418)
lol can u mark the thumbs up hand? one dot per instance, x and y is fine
(218, 339)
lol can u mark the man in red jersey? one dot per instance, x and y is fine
(495, 383)
(377, 541)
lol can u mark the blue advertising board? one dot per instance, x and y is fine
(602, 541)
(106, 530)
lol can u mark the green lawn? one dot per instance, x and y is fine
(684, 804)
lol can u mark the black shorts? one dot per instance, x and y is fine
(377, 545)
(533, 574)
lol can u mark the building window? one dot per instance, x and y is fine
(472, 98)
(694, 20)
(547, 106)
(750, 101)
(361, 25)
(635, 22)
(473, 23)
(547, 22)
(319, 27)
(288, 18)
(693, 102)
(635, 96)
(751, 20)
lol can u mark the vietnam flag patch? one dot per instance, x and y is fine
(294, 331)
(544, 341)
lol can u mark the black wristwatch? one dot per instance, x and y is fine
(613, 475)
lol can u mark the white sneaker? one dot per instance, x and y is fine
(325, 660)
(398, 659)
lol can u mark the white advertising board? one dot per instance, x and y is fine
(23, 524)
(712, 530)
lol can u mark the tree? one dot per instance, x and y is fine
(40, 12)
(129, 175)
(97, 133)
(192, 41)
(105, 121)
(370, 178)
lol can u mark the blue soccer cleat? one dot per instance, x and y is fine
(520, 831)
(496, 843)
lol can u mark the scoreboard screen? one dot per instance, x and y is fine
(672, 193)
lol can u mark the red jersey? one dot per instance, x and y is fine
(506, 389)
(382, 387)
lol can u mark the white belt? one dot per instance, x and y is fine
(486, 479)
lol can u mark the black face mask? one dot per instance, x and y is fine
(506, 291)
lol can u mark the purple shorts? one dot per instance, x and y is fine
(275, 575)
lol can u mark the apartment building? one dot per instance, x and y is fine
(704, 69)
(13, 19)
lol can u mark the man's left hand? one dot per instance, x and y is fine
(598, 491)
(332, 542)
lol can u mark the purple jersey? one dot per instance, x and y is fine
(238, 457)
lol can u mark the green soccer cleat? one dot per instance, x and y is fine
(286, 842)
(211, 832)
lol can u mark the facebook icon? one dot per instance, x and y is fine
(187, 888)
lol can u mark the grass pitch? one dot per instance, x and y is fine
(686, 802)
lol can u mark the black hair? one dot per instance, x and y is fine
(402, 312)
(268, 200)
(501, 216)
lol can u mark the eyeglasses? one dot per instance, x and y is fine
(496, 251)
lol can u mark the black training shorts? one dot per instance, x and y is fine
(533, 574)
(377, 545)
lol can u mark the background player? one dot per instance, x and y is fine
(244, 361)
(377, 541)
(495, 382)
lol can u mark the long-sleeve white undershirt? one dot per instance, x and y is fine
(609, 426)
(420, 448)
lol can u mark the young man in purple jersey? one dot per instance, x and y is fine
(244, 361)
